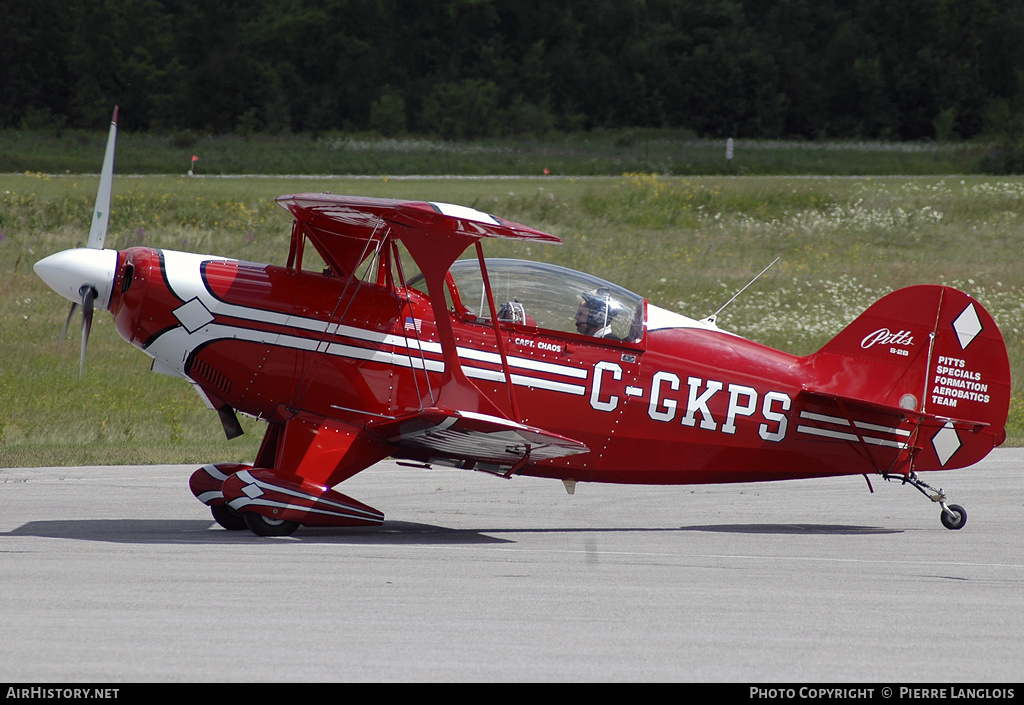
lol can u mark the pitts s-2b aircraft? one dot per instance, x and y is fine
(520, 368)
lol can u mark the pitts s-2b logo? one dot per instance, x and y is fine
(883, 336)
(664, 406)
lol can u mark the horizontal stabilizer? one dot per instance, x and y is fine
(890, 436)
(473, 436)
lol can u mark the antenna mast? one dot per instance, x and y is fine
(711, 319)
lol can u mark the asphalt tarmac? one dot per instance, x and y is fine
(118, 574)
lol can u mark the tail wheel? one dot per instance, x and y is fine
(953, 517)
(263, 526)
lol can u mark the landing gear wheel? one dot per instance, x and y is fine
(227, 517)
(954, 522)
(262, 526)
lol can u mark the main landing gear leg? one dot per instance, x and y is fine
(953, 516)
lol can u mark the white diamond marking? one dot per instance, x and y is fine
(946, 442)
(252, 491)
(967, 325)
(193, 315)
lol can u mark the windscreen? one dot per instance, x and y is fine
(551, 297)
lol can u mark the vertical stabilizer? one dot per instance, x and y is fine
(930, 350)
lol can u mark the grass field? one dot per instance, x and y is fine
(599, 153)
(688, 243)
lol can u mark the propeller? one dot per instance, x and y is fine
(88, 297)
(88, 306)
(87, 275)
(70, 269)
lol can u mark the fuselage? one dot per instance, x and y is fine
(683, 403)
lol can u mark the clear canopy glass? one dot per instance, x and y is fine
(537, 294)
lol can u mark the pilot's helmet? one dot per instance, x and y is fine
(600, 305)
(512, 311)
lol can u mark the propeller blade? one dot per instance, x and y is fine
(67, 325)
(88, 296)
(101, 213)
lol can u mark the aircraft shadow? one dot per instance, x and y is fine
(178, 531)
(799, 529)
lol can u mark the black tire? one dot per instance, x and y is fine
(262, 526)
(227, 517)
(951, 523)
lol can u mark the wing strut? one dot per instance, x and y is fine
(397, 258)
(334, 321)
(910, 448)
(497, 333)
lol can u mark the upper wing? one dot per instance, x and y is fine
(340, 226)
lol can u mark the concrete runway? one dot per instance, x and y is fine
(118, 574)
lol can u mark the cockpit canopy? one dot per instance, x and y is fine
(536, 294)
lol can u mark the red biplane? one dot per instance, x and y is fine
(400, 348)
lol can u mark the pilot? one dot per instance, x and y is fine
(595, 314)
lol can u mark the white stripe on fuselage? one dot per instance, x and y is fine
(173, 347)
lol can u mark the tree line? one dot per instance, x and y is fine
(879, 69)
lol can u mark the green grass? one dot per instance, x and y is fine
(688, 243)
(584, 154)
